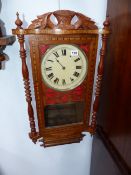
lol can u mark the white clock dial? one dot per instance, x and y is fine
(64, 67)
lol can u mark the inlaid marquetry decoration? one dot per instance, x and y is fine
(63, 50)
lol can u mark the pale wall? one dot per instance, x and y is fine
(18, 155)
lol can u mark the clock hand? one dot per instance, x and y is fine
(60, 64)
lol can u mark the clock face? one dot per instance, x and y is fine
(64, 67)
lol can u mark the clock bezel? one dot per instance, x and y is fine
(83, 78)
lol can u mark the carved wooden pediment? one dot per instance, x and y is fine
(63, 19)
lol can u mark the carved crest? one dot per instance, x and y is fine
(63, 19)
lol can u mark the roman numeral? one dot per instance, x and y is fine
(51, 75)
(56, 81)
(63, 52)
(78, 67)
(56, 54)
(71, 79)
(77, 59)
(48, 68)
(63, 82)
(76, 74)
(50, 60)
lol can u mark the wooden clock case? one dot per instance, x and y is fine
(43, 34)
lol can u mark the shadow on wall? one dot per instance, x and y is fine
(25, 26)
(1, 173)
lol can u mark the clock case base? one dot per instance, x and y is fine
(59, 138)
(42, 29)
(62, 141)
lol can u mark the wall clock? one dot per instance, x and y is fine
(63, 48)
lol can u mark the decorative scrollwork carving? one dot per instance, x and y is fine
(63, 20)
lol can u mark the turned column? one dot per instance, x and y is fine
(25, 73)
(100, 70)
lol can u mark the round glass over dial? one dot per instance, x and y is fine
(64, 67)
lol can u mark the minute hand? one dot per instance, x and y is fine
(60, 63)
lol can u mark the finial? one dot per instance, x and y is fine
(106, 22)
(18, 22)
